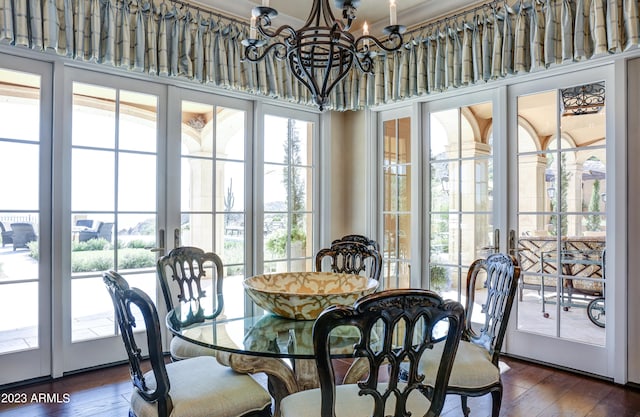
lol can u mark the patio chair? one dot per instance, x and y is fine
(192, 387)
(23, 233)
(390, 328)
(104, 231)
(475, 369)
(187, 266)
(352, 254)
(7, 235)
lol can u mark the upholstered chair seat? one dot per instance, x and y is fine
(201, 387)
(181, 349)
(348, 403)
(472, 367)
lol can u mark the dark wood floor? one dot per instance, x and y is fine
(529, 391)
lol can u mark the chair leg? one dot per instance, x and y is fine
(465, 409)
(497, 401)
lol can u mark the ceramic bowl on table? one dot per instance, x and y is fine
(303, 295)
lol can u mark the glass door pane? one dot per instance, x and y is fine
(397, 164)
(461, 209)
(24, 285)
(288, 194)
(212, 202)
(113, 200)
(19, 209)
(561, 213)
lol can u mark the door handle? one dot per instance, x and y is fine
(176, 238)
(161, 241)
(496, 243)
(512, 242)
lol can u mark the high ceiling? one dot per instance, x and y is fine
(375, 12)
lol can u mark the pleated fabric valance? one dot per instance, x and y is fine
(164, 39)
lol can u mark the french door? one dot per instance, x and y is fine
(559, 141)
(112, 206)
(25, 210)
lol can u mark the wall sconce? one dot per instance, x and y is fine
(604, 197)
(444, 182)
(551, 192)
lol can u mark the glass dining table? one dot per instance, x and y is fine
(282, 348)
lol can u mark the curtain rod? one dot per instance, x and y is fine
(492, 5)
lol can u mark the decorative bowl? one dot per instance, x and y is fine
(303, 295)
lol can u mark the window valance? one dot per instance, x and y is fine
(166, 39)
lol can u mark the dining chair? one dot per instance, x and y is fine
(475, 370)
(391, 327)
(352, 254)
(195, 387)
(184, 269)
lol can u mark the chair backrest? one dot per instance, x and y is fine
(84, 223)
(394, 326)
(501, 273)
(105, 230)
(123, 298)
(187, 266)
(352, 257)
(26, 228)
(2, 229)
(359, 239)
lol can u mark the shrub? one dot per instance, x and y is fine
(91, 245)
(140, 244)
(91, 261)
(131, 259)
(34, 250)
(438, 276)
(277, 244)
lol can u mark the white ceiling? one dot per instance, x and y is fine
(375, 12)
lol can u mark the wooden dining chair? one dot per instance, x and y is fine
(182, 274)
(194, 387)
(391, 327)
(475, 369)
(352, 254)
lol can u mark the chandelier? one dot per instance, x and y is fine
(322, 52)
(583, 99)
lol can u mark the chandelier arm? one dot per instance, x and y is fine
(252, 54)
(264, 31)
(394, 37)
(365, 62)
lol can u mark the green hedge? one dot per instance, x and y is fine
(94, 261)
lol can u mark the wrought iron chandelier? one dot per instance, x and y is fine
(323, 51)
(583, 99)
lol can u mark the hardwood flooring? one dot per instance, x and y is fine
(530, 390)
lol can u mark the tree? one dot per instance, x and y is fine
(593, 219)
(565, 176)
(291, 179)
(277, 244)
